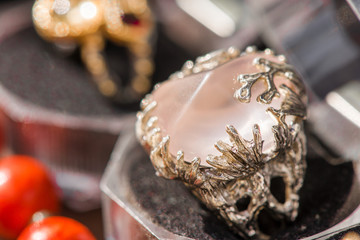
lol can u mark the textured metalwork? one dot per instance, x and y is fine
(207, 62)
(270, 70)
(242, 170)
(88, 24)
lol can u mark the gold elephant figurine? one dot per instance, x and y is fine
(88, 23)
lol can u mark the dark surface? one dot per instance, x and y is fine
(324, 191)
(171, 205)
(37, 72)
(34, 71)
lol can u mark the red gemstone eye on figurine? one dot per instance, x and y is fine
(130, 19)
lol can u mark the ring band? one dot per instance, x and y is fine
(88, 23)
(264, 102)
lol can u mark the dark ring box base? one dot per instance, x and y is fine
(164, 209)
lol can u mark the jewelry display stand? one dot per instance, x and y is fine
(50, 108)
(139, 205)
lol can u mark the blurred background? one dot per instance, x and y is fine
(49, 109)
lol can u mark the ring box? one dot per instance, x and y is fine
(50, 110)
(139, 205)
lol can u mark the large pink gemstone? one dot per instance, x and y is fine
(194, 110)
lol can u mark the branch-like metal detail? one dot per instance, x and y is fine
(242, 170)
(239, 160)
(270, 70)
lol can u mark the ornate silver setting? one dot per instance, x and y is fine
(242, 171)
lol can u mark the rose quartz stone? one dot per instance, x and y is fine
(194, 110)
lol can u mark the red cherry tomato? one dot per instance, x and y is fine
(25, 188)
(56, 228)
